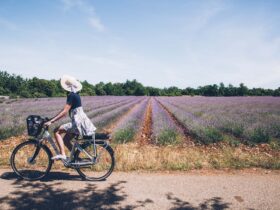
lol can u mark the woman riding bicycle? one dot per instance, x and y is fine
(80, 123)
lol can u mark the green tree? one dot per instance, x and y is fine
(99, 89)
(221, 89)
(88, 89)
(10, 84)
(14, 86)
(242, 90)
(118, 89)
(276, 92)
(171, 91)
(109, 88)
(134, 88)
(209, 90)
(231, 91)
(151, 91)
(189, 91)
(41, 87)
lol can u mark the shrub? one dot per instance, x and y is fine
(234, 129)
(238, 130)
(274, 144)
(168, 137)
(259, 135)
(276, 130)
(124, 135)
(210, 135)
(232, 141)
(13, 131)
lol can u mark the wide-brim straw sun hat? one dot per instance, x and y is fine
(70, 83)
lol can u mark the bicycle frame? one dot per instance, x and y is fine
(47, 136)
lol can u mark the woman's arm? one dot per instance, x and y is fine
(61, 114)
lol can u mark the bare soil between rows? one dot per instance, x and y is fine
(145, 136)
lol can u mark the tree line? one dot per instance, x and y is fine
(16, 86)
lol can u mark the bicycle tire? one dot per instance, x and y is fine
(35, 144)
(109, 151)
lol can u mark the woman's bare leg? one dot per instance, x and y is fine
(66, 139)
(59, 139)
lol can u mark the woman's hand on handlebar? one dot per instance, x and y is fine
(48, 123)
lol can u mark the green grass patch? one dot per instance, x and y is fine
(210, 135)
(12, 131)
(259, 135)
(232, 141)
(168, 137)
(274, 144)
(215, 163)
(234, 129)
(124, 135)
(238, 130)
(181, 166)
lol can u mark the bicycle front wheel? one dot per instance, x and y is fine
(31, 161)
(103, 160)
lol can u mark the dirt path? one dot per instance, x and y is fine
(143, 191)
(145, 136)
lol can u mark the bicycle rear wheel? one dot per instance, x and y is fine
(103, 165)
(31, 161)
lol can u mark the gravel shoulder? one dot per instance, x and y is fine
(246, 189)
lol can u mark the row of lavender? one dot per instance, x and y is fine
(123, 116)
(102, 111)
(210, 119)
(164, 130)
(130, 125)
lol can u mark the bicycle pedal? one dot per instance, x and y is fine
(66, 165)
(67, 162)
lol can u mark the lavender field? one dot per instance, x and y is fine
(161, 120)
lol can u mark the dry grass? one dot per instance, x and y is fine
(6, 148)
(134, 156)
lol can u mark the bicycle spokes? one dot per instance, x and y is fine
(101, 165)
(30, 161)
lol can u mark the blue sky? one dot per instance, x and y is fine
(160, 43)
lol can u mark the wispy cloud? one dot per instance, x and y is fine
(96, 23)
(86, 8)
(202, 15)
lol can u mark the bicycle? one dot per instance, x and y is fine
(91, 156)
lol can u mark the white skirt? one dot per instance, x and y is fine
(80, 123)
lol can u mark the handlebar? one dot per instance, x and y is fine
(45, 119)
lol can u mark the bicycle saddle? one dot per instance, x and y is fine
(87, 137)
(102, 136)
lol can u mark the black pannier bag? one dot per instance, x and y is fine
(34, 125)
